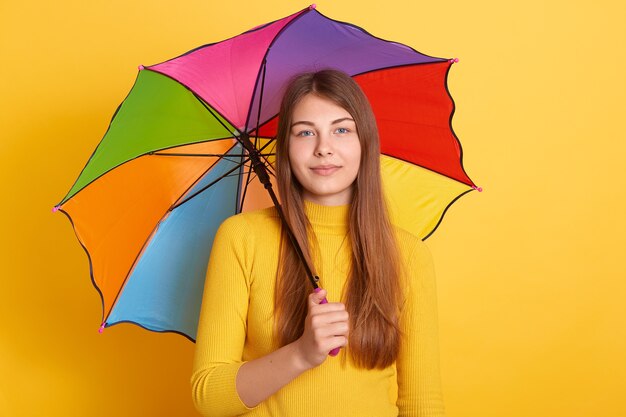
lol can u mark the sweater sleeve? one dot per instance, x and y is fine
(419, 380)
(222, 323)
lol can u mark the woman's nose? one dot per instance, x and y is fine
(324, 146)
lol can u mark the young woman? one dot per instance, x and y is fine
(264, 337)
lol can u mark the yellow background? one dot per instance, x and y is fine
(531, 273)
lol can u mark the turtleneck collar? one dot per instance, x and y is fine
(328, 219)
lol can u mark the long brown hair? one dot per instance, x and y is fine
(372, 293)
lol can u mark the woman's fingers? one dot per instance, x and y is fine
(330, 330)
(316, 297)
(326, 328)
(322, 317)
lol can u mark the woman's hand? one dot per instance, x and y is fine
(326, 327)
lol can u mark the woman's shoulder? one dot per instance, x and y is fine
(248, 236)
(260, 220)
(413, 250)
(407, 241)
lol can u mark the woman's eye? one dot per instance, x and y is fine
(342, 130)
(305, 133)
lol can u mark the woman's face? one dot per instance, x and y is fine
(324, 150)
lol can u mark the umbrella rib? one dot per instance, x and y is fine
(268, 165)
(270, 171)
(237, 174)
(214, 115)
(196, 154)
(245, 191)
(269, 47)
(198, 179)
(212, 111)
(243, 162)
(223, 156)
(256, 140)
(238, 166)
(258, 117)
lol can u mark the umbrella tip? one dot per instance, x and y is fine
(101, 329)
(479, 189)
(453, 60)
(55, 209)
(313, 6)
(140, 67)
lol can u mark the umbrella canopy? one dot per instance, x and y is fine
(172, 165)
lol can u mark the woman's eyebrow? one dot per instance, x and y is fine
(303, 122)
(343, 119)
(334, 122)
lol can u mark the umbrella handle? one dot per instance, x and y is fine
(335, 351)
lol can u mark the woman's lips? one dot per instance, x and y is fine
(325, 169)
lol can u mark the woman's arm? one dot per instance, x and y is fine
(419, 380)
(222, 323)
(326, 328)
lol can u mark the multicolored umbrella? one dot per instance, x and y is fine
(174, 164)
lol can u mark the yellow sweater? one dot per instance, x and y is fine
(236, 326)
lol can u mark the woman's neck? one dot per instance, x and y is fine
(333, 219)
